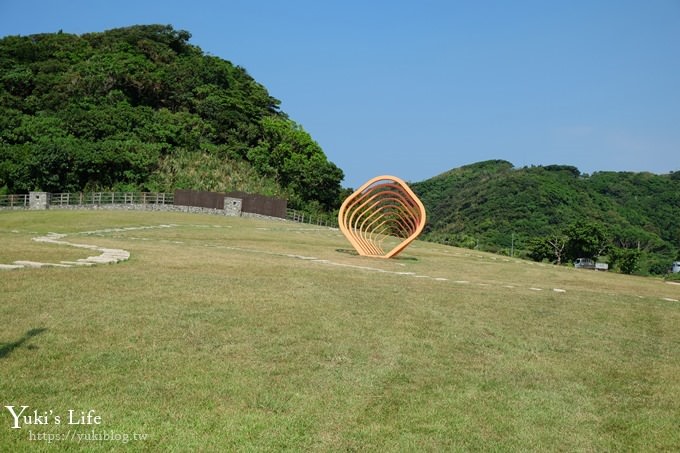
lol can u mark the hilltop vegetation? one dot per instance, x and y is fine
(556, 213)
(139, 108)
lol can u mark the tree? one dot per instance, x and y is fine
(548, 247)
(297, 162)
(558, 243)
(627, 260)
(586, 240)
(539, 249)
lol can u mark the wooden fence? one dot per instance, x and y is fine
(95, 198)
(303, 217)
(251, 203)
(14, 201)
(90, 198)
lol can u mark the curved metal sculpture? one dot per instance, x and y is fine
(381, 211)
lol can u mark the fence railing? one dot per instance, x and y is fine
(14, 201)
(94, 198)
(303, 217)
(160, 198)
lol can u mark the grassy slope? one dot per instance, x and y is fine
(213, 335)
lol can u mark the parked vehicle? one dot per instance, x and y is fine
(601, 266)
(676, 267)
(587, 263)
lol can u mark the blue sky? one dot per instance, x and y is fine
(415, 88)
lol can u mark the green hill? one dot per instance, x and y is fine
(140, 108)
(496, 207)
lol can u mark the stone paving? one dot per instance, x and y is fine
(105, 256)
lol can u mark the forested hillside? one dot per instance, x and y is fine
(140, 108)
(556, 213)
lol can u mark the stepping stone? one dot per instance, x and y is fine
(99, 260)
(36, 264)
(29, 263)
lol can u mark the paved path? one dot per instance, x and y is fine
(105, 256)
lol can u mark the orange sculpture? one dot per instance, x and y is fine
(382, 212)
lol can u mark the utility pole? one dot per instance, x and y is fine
(512, 246)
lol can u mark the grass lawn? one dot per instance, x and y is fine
(224, 334)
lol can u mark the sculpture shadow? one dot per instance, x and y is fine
(396, 258)
(348, 252)
(7, 348)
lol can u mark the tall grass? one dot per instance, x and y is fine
(211, 172)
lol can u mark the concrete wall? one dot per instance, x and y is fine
(232, 206)
(38, 201)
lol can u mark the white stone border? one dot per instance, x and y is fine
(106, 255)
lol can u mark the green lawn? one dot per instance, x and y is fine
(227, 334)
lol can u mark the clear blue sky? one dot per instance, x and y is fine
(415, 88)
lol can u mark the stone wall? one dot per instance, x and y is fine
(139, 207)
